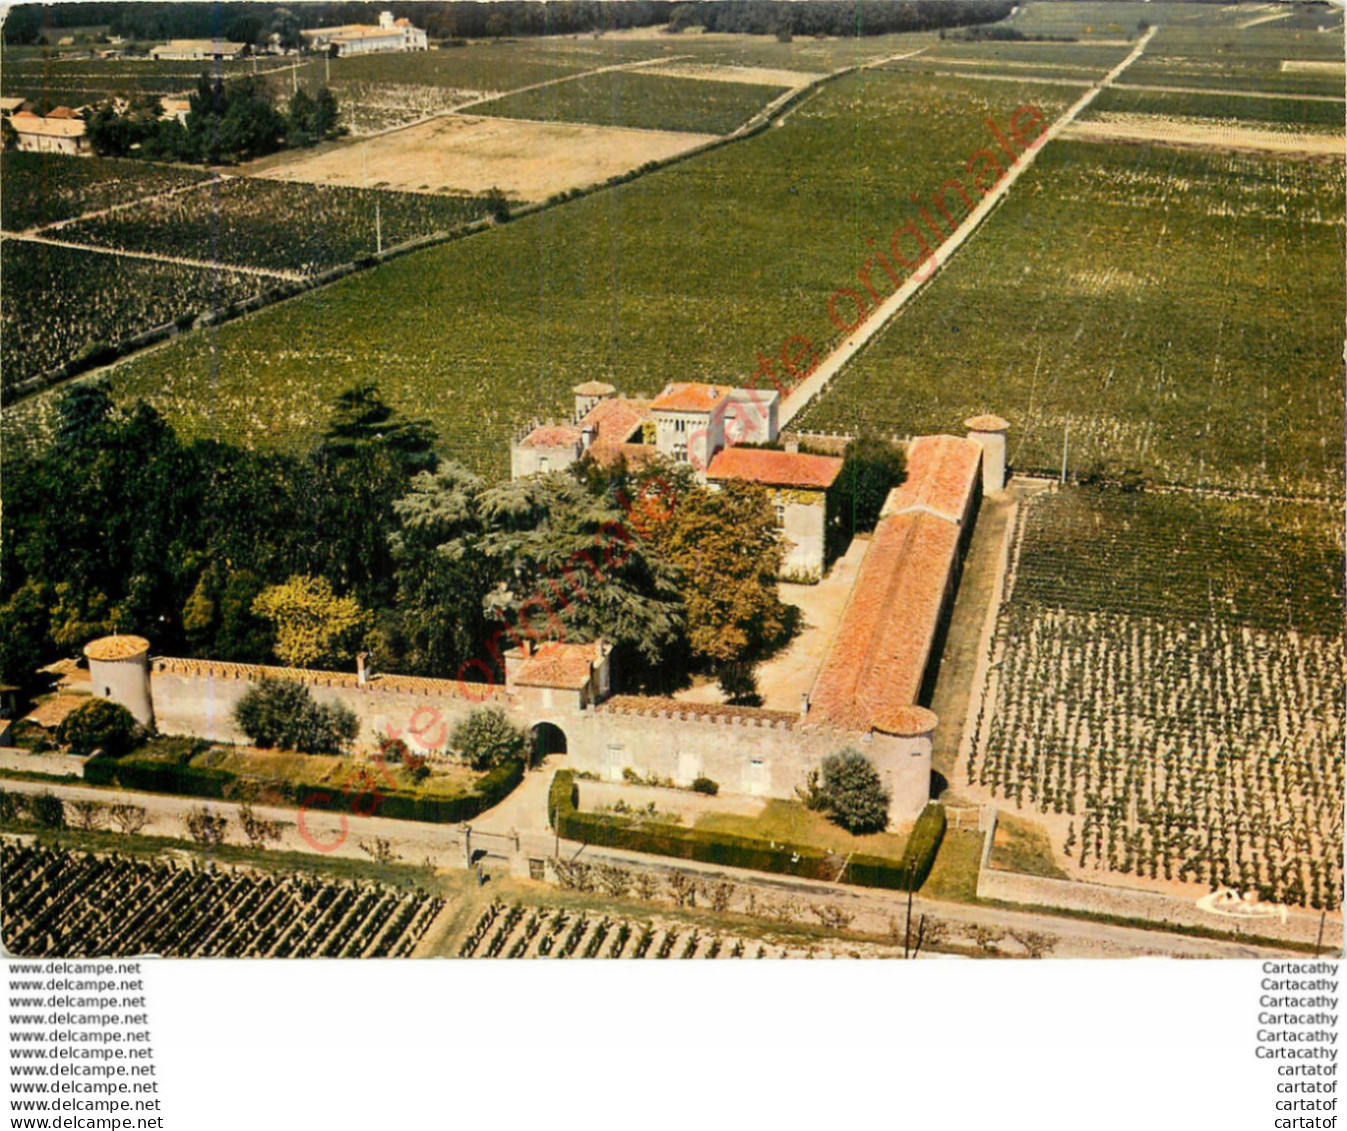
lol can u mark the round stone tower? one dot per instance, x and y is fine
(989, 433)
(119, 669)
(902, 739)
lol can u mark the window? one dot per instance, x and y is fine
(781, 514)
(680, 453)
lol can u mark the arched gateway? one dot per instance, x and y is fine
(545, 739)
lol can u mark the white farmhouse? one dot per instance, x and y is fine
(367, 39)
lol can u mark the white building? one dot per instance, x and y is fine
(192, 50)
(50, 135)
(367, 39)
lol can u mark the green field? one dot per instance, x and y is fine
(40, 188)
(1085, 57)
(1239, 59)
(77, 82)
(1308, 114)
(1177, 311)
(629, 98)
(275, 224)
(681, 274)
(59, 302)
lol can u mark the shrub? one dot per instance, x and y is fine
(488, 739)
(99, 724)
(205, 827)
(703, 784)
(857, 799)
(47, 810)
(279, 713)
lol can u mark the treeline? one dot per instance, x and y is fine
(255, 23)
(835, 17)
(228, 121)
(370, 541)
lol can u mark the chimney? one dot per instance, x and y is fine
(804, 705)
(362, 669)
(526, 647)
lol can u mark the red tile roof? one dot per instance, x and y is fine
(604, 453)
(553, 664)
(941, 472)
(52, 713)
(116, 647)
(617, 419)
(594, 389)
(986, 423)
(777, 469)
(690, 396)
(553, 436)
(877, 661)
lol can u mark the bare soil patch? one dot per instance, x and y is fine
(462, 153)
(1313, 66)
(1206, 133)
(752, 76)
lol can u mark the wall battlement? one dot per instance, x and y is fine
(399, 684)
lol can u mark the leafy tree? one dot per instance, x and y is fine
(488, 739)
(498, 204)
(299, 131)
(327, 115)
(727, 548)
(857, 799)
(47, 810)
(871, 468)
(9, 136)
(314, 627)
(442, 578)
(567, 565)
(218, 618)
(284, 714)
(362, 420)
(99, 724)
(24, 627)
(259, 831)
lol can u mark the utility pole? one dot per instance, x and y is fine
(1066, 441)
(327, 70)
(378, 227)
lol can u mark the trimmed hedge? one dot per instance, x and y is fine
(746, 852)
(197, 781)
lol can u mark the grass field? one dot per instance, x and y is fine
(681, 274)
(1177, 311)
(629, 98)
(1182, 718)
(792, 823)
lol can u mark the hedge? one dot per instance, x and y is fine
(198, 781)
(747, 852)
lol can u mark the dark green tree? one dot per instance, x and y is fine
(871, 468)
(856, 797)
(285, 715)
(486, 738)
(99, 724)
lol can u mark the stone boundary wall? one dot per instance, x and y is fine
(197, 698)
(1301, 926)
